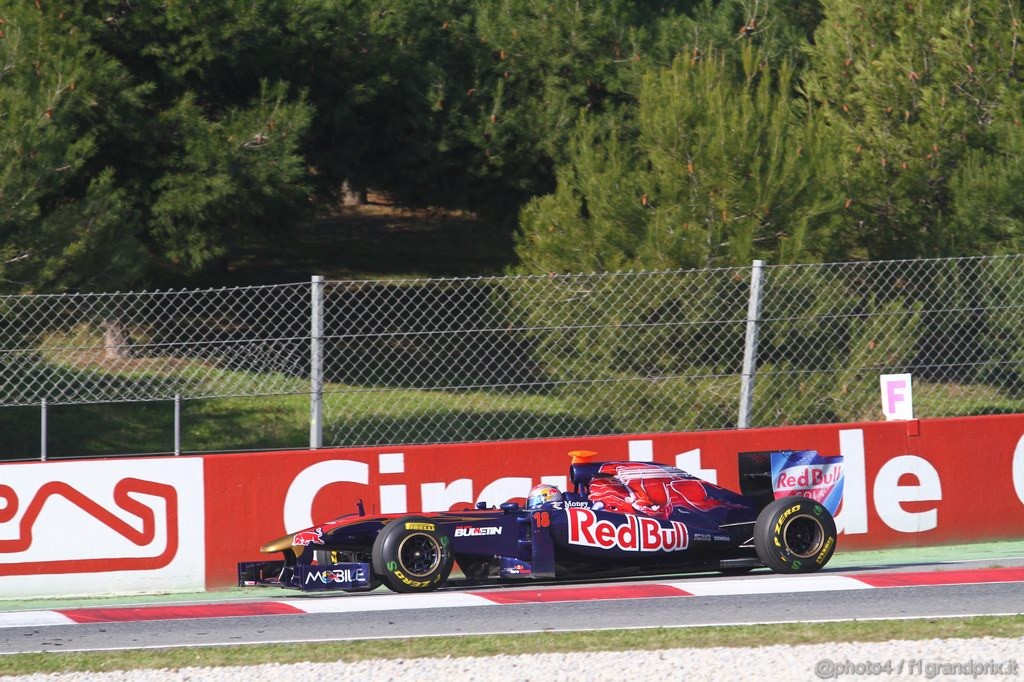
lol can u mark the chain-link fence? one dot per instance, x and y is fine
(447, 360)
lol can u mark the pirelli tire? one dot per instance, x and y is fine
(795, 535)
(412, 554)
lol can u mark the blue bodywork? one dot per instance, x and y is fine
(656, 519)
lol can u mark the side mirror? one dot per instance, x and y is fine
(481, 505)
(509, 507)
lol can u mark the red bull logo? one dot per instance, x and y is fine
(812, 480)
(637, 534)
(309, 537)
(811, 475)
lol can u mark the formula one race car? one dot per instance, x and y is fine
(620, 518)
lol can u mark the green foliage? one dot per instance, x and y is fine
(877, 346)
(238, 173)
(549, 62)
(732, 164)
(895, 134)
(147, 137)
(144, 140)
(926, 97)
(517, 75)
(1003, 342)
(225, 132)
(594, 221)
(116, 162)
(801, 380)
(638, 352)
(718, 167)
(780, 30)
(414, 71)
(63, 219)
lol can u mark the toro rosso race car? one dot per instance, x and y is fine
(620, 518)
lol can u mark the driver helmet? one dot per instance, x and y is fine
(543, 494)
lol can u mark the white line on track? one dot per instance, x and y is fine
(546, 631)
(770, 585)
(30, 619)
(387, 602)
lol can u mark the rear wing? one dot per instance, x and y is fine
(770, 475)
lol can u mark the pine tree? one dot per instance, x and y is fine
(64, 221)
(222, 144)
(126, 150)
(227, 176)
(926, 96)
(551, 61)
(719, 167)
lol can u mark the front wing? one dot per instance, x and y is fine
(347, 576)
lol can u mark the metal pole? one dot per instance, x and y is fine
(42, 429)
(750, 346)
(177, 423)
(316, 363)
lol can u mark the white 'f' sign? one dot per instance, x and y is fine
(897, 396)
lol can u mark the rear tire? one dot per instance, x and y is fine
(795, 535)
(412, 555)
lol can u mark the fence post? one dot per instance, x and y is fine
(177, 424)
(42, 430)
(750, 346)
(316, 363)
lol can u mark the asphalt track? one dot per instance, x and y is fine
(924, 583)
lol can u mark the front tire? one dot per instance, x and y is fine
(412, 555)
(795, 535)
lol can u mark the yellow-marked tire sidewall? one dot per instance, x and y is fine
(396, 539)
(795, 519)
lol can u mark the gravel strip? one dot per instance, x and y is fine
(980, 659)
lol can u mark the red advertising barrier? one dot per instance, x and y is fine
(907, 483)
(178, 523)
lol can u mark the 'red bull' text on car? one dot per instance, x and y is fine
(619, 518)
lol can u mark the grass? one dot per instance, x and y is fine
(132, 428)
(374, 416)
(354, 417)
(547, 642)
